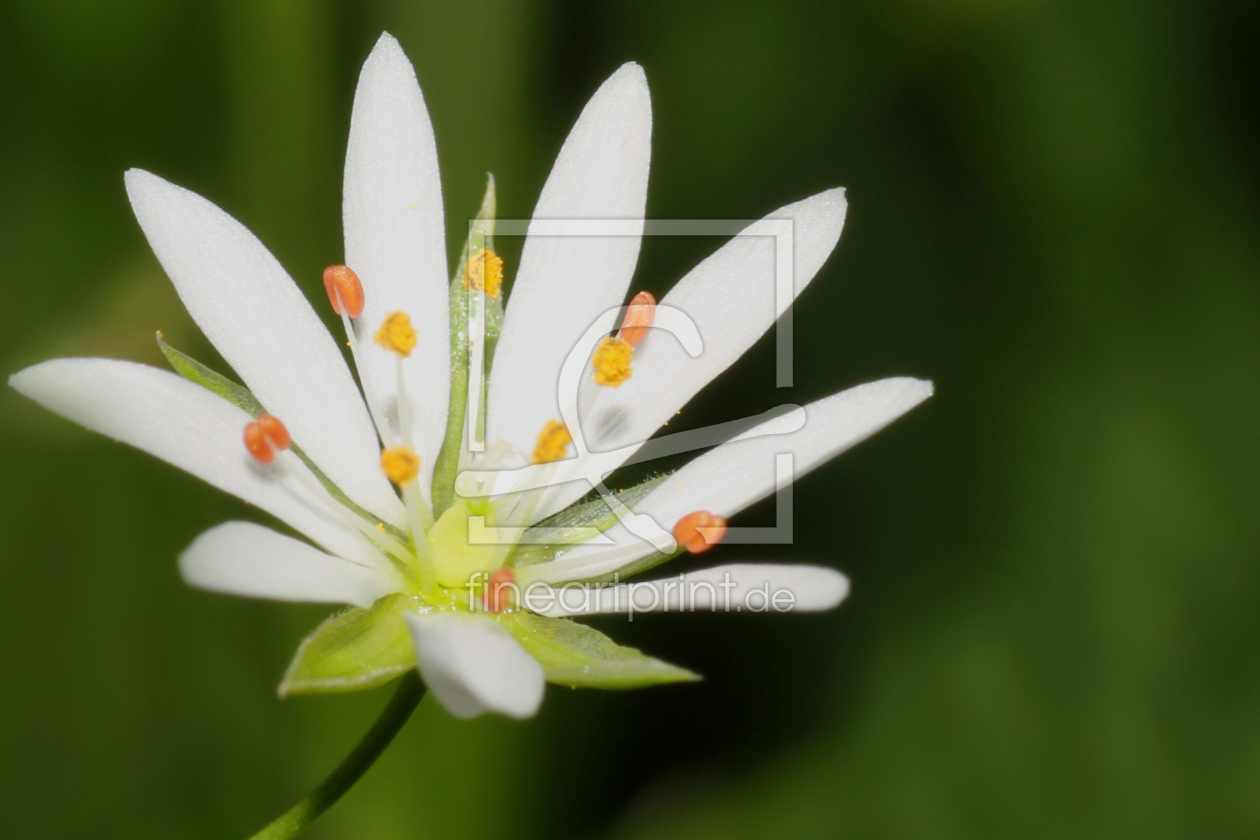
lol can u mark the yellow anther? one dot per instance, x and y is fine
(401, 465)
(397, 334)
(484, 272)
(612, 362)
(553, 443)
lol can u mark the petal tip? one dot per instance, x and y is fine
(836, 195)
(840, 588)
(136, 178)
(27, 381)
(144, 187)
(831, 204)
(134, 181)
(818, 221)
(819, 588)
(629, 81)
(388, 55)
(904, 390)
(386, 42)
(472, 666)
(921, 389)
(632, 69)
(16, 379)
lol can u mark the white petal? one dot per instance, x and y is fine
(735, 475)
(396, 243)
(188, 426)
(738, 473)
(565, 282)
(731, 298)
(241, 558)
(259, 321)
(472, 665)
(740, 587)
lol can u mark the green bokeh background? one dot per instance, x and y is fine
(1054, 213)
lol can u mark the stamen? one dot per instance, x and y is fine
(639, 316)
(612, 358)
(484, 273)
(267, 436)
(611, 362)
(264, 436)
(553, 443)
(698, 532)
(498, 589)
(382, 542)
(401, 465)
(396, 334)
(277, 435)
(345, 292)
(257, 444)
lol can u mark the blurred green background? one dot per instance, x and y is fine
(1054, 213)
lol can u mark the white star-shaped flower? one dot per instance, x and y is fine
(302, 442)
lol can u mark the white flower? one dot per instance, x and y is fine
(386, 556)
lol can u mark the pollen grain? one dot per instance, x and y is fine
(401, 465)
(484, 272)
(611, 362)
(396, 334)
(553, 443)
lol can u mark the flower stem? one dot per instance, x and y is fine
(293, 821)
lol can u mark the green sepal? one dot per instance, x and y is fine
(194, 371)
(575, 655)
(578, 520)
(240, 396)
(480, 235)
(353, 650)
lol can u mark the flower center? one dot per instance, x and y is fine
(456, 558)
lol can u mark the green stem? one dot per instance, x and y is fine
(293, 821)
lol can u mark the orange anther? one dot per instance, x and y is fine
(639, 315)
(498, 589)
(275, 432)
(698, 532)
(343, 286)
(258, 445)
